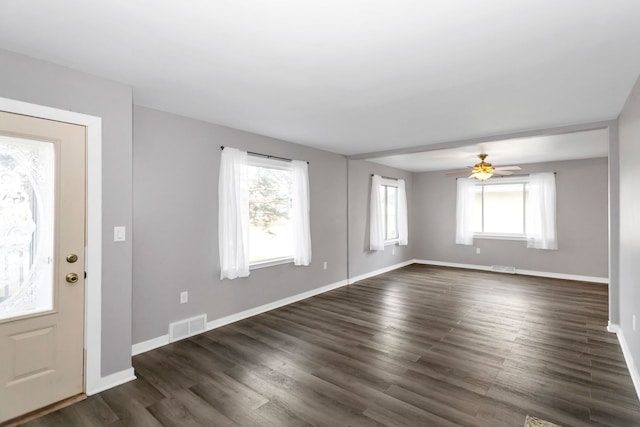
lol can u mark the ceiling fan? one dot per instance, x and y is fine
(484, 170)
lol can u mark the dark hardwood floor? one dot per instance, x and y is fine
(419, 346)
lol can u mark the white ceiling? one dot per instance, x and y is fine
(349, 76)
(539, 149)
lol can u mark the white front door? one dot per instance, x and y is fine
(42, 241)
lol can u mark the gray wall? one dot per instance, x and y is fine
(582, 200)
(176, 164)
(361, 259)
(30, 80)
(629, 145)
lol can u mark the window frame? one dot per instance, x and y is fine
(269, 163)
(524, 180)
(386, 182)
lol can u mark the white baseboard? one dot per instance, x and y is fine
(160, 341)
(551, 275)
(453, 264)
(232, 318)
(144, 346)
(593, 279)
(633, 368)
(613, 328)
(380, 271)
(112, 380)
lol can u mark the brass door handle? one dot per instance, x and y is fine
(72, 278)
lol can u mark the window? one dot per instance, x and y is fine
(508, 208)
(389, 200)
(387, 213)
(264, 212)
(500, 209)
(270, 225)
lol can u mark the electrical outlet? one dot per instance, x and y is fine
(393, 250)
(324, 265)
(184, 297)
(478, 251)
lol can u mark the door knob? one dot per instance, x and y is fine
(72, 258)
(72, 278)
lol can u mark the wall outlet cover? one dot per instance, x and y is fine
(119, 234)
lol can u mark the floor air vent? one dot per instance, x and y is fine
(503, 269)
(187, 327)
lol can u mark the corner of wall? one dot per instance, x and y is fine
(628, 357)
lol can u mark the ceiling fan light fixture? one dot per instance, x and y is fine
(481, 176)
(482, 171)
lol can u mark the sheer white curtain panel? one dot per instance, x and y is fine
(540, 215)
(465, 211)
(403, 227)
(233, 214)
(301, 210)
(376, 217)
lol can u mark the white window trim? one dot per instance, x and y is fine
(499, 236)
(266, 162)
(504, 236)
(506, 180)
(270, 263)
(390, 183)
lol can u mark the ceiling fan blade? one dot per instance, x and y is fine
(458, 172)
(499, 172)
(509, 168)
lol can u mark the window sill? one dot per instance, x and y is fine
(497, 236)
(391, 242)
(270, 263)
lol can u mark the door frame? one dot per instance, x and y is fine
(93, 252)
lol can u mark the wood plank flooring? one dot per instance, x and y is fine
(419, 346)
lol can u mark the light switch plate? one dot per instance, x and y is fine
(119, 234)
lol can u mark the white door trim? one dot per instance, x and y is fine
(93, 283)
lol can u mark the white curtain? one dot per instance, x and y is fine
(465, 211)
(376, 217)
(301, 207)
(403, 229)
(233, 214)
(540, 215)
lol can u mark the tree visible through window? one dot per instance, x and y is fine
(270, 228)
